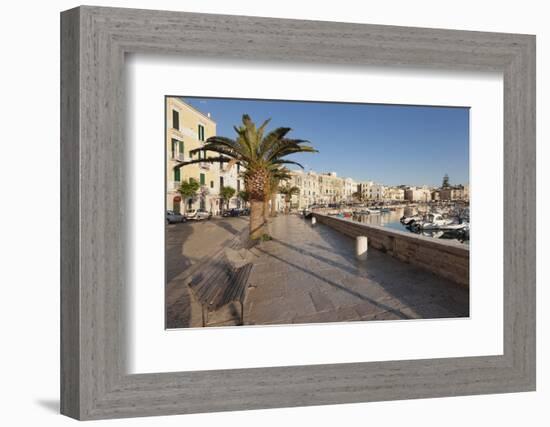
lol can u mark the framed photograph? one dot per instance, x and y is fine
(262, 213)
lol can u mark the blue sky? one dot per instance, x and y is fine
(390, 144)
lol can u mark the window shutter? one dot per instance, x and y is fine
(175, 119)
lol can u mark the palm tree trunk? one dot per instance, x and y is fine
(257, 222)
(273, 205)
(266, 209)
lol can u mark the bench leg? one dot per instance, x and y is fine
(204, 316)
(242, 313)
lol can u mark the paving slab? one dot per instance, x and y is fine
(306, 274)
(319, 262)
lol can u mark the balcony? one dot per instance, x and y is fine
(173, 185)
(205, 165)
(177, 157)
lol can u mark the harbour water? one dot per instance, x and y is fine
(392, 220)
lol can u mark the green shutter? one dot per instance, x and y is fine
(202, 179)
(181, 147)
(174, 142)
(176, 174)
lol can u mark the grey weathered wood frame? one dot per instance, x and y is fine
(94, 41)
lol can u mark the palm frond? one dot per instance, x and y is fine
(286, 151)
(286, 162)
(217, 148)
(261, 129)
(272, 138)
(221, 140)
(207, 160)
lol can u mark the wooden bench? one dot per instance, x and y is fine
(219, 283)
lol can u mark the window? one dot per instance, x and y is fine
(211, 184)
(181, 150)
(238, 185)
(221, 182)
(174, 147)
(201, 132)
(176, 175)
(202, 179)
(175, 119)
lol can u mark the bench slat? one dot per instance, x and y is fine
(217, 283)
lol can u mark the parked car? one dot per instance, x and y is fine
(232, 212)
(173, 217)
(198, 214)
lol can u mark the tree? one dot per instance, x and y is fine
(227, 193)
(446, 183)
(244, 196)
(188, 190)
(288, 191)
(260, 155)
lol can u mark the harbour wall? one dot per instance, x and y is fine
(445, 258)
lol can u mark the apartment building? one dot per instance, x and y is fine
(187, 129)
(418, 194)
(372, 191)
(457, 192)
(308, 184)
(331, 188)
(394, 193)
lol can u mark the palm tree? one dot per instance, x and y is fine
(260, 155)
(288, 191)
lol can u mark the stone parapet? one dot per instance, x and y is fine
(445, 258)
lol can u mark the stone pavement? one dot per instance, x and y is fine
(309, 274)
(187, 245)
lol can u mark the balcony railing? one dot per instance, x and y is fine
(173, 185)
(205, 165)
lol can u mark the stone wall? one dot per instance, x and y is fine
(446, 258)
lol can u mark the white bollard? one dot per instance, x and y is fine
(361, 247)
(313, 220)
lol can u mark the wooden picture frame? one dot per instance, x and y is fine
(94, 382)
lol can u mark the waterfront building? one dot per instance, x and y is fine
(418, 194)
(187, 129)
(456, 192)
(372, 191)
(321, 188)
(394, 194)
(350, 188)
(331, 188)
(308, 184)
